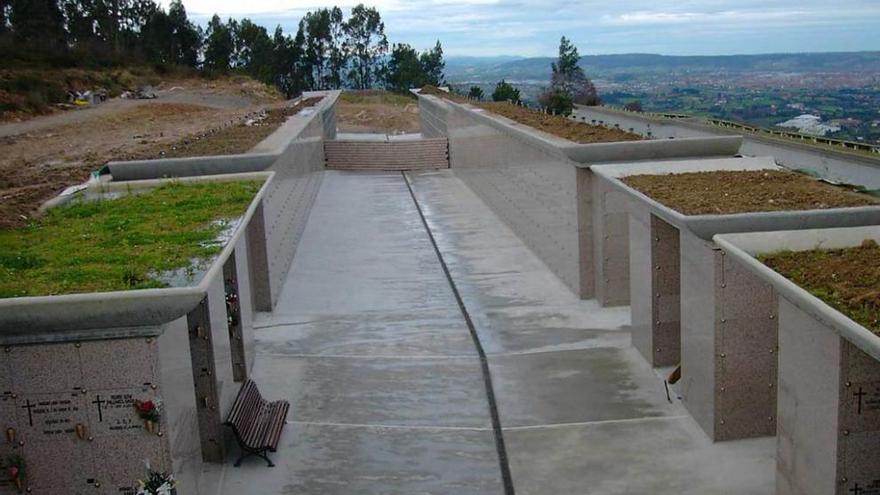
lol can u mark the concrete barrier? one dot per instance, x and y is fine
(295, 153)
(704, 310)
(542, 187)
(260, 157)
(829, 376)
(841, 165)
(404, 154)
(76, 363)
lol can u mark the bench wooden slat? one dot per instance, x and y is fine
(256, 422)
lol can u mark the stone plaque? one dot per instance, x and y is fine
(861, 406)
(113, 364)
(51, 417)
(63, 465)
(122, 460)
(861, 463)
(112, 412)
(45, 368)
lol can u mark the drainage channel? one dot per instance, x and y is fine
(506, 479)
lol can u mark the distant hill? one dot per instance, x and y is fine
(626, 66)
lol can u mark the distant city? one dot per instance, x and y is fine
(827, 94)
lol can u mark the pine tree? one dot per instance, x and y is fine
(367, 45)
(433, 65)
(37, 22)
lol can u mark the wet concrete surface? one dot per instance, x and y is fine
(387, 395)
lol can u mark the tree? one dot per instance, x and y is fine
(37, 22)
(186, 40)
(557, 101)
(219, 45)
(432, 65)
(338, 50)
(404, 69)
(569, 77)
(318, 39)
(476, 93)
(505, 91)
(253, 50)
(633, 106)
(4, 17)
(367, 44)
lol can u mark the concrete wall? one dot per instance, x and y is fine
(542, 187)
(404, 154)
(532, 189)
(838, 166)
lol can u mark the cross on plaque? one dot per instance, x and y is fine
(856, 489)
(99, 402)
(861, 393)
(29, 406)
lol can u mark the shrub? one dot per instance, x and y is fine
(557, 101)
(476, 93)
(505, 91)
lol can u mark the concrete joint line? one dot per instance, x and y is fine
(504, 466)
(365, 356)
(649, 419)
(390, 427)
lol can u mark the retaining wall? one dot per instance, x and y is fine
(842, 166)
(408, 154)
(295, 153)
(541, 186)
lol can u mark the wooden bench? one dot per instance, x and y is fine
(256, 422)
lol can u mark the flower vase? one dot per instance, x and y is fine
(18, 483)
(148, 425)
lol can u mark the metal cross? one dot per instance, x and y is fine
(98, 401)
(29, 406)
(860, 394)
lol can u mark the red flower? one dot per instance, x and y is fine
(145, 406)
(12, 471)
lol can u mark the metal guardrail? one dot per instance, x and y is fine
(727, 124)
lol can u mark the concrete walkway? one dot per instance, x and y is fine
(387, 390)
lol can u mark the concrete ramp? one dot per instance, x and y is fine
(387, 154)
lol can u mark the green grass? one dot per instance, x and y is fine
(123, 243)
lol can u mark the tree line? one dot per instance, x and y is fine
(328, 50)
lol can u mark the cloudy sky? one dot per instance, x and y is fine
(533, 27)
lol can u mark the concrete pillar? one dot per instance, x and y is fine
(728, 344)
(829, 410)
(654, 300)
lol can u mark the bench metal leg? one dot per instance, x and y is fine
(247, 453)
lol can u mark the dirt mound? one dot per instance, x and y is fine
(742, 191)
(578, 132)
(377, 111)
(846, 279)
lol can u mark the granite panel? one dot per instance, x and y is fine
(65, 465)
(112, 413)
(45, 368)
(51, 417)
(103, 369)
(128, 462)
(860, 459)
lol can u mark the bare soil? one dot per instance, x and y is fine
(727, 192)
(237, 137)
(42, 156)
(377, 112)
(846, 279)
(578, 132)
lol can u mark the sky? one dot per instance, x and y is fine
(533, 27)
